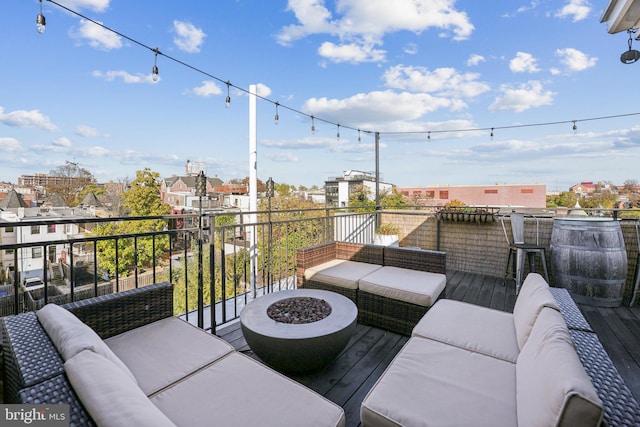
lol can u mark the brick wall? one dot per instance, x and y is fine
(482, 248)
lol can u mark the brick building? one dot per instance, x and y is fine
(516, 195)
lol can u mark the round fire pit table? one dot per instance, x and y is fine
(298, 347)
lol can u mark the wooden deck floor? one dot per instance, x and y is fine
(348, 379)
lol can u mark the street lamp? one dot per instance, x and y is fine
(269, 192)
(201, 191)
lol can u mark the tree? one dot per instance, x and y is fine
(71, 180)
(90, 188)
(142, 200)
(565, 199)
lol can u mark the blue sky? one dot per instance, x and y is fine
(402, 68)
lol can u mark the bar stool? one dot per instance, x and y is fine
(518, 250)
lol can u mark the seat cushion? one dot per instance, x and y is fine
(552, 385)
(432, 383)
(162, 352)
(71, 336)
(239, 391)
(109, 395)
(472, 327)
(534, 295)
(412, 286)
(342, 273)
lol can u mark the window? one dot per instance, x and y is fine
(491, 191)
(35, 229)
(51, 228)
(444, 194)
(8, 230)
(36, 252)
(430, 194)
(526, 191)
(9, 251)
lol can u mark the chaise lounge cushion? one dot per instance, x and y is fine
(71, 336)
(158, 354)
(412, 286)
(238, 391)
(552, 385)
(109, 395)
(339, 272)
(472, 327)
(431, 383)
(534, 295)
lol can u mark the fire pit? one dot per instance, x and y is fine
(298, 330)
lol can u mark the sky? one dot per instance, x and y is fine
(432, 77)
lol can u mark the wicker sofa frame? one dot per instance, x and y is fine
(34, 371)
(374, 310)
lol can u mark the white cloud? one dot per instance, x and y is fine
(88, 132)
(578, 9)
(373, 109)
(360, 25)
(126, 77)
(350, 52)
(95, 5)
(96, 36)
(410, 49)
(207, 89)
(10, 145)
(443, 81)
(188, 38)
(523, 63)
(522, 97)
(575, 60)
(282, 157)
(27, 119)
(263, 90)
(62, 142)
(475, 59)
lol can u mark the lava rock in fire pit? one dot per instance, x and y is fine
(299, 310)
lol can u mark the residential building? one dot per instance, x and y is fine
(511, 195)
(338, 190)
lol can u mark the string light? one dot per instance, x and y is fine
(575, 127)
(429, 135)
(276, 117)
(41, 22)
(491, 136)
(154, 70)
(359, 140)
(313, 126)
(338, 134)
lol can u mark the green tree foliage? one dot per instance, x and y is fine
(604, 199)
(141, 200)
(566, 199)
(90, 188)
(362, 200)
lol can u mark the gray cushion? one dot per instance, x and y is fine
(163, 352)
(403, 284)
(342, 273)
(431, 383)
(109, 395)
(238, 391)
(71, 336)
(534, 295)
(475, 328)
(552, 386)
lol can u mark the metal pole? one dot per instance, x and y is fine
(200, 272)
(377, 179)
(253, 185)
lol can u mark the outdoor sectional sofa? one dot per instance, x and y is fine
(393, 287)
(471, 365)
(124, 359)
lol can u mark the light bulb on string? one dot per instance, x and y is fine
(276, 117)
(491, 135)
(359, 139)
(227, 101)
(313, 126)
(41, 22)
(429, 136)
(154, 71)
(338, 134)
(575, 127)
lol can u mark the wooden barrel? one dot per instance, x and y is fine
(589, 259)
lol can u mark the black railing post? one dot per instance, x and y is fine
(16, 280)
(71, 273)
(135, 260)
